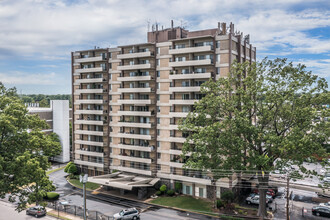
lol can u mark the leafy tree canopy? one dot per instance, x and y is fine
(24, 151)
(260, 117)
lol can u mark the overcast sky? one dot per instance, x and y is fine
(37, 36)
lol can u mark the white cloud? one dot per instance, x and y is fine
(319, 67)
(22, 78)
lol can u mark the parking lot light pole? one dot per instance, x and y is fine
(83, 180)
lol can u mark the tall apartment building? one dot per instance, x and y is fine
(128, 101)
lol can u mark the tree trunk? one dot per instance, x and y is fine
(263, 186)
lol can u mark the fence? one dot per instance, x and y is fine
(79, 211)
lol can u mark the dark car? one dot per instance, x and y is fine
(321, 211)
(37, 211)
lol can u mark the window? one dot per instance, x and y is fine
(158, 109)
(158, 144)
(201, 192)
(218, 44)
(185, 109)
(218, 57)
(157, 97)
(185, 83)
(158, 85)
(158, 73)
(158, 62)
(158, 120)
(218, 70)
(185, 96)
(158, 50)
(179, 59)
(180, 46)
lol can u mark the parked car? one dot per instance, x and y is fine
(321, 211)
(131, 213)
(326, 178)
(254, 200)
(37, 211)
(270, 192)
(326, 204)
(269, 197)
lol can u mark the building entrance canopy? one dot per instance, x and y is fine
(122, 181)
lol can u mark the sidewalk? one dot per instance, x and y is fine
(62, 215)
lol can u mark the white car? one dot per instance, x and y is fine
(326, 178)
(131, 213)
(326, 204)
(254, 200)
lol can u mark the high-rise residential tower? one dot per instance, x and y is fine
(128, 100)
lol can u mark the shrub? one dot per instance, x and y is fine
(178, 187)
(220, 203)
(72, 170)
(163, 188)
(67, 167)
(227, 196)
(52, 195)
(170, 192)
(158, 193)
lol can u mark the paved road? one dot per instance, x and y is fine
(7, 212)
(109, 205)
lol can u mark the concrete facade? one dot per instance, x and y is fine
(128, 101)
(57, 117)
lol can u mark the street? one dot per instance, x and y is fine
(110, 205)
(7, 212)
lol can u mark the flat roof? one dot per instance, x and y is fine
(123, 181)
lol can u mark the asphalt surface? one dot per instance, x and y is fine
(109, 205)
(7, 212)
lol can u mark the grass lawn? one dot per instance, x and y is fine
(52, 171)
(184, 202)
(89, 186)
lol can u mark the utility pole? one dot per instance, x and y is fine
(287, 196)
(83, 180)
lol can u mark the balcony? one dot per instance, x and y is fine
(185, 89)
(88, 163)
(80, 91)
(190, 76)
(133, 147)
(85, 142)
(135, 113)
(134, 67)
(136, 101)
(85, 111)
(190, 50)
(90, 80)
(178, 114)
(97, 133)
(191, 63)
(204, 181)
(132, 124)
(132, 158)
(89, 101)
(182, 101)
(89, 59)
(134, 78)
(88, 122)
(133, 90)
(132, 170)
(89, 70)
(177, 139)
(89, 153)
(135, 55)
(133, 136)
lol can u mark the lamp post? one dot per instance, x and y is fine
(83, 180)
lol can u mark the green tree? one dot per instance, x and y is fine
(263, 116)
(24, 151)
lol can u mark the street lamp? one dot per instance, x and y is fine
(83, 180)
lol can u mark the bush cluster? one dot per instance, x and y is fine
(52, 195)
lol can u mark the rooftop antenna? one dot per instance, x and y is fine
(148, 24)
